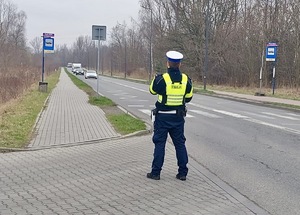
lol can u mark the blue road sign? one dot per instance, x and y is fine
(271, 52)
(48, 45)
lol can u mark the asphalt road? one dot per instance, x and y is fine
(253, 148)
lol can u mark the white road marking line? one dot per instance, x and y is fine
(274, 126)
(205, 113)
(120, 94)
(145, 111)
(200, 106)
(236, 115)
(293, 114)
(127, 97)
(280, 116)
(136, 105)
(125, 85)
(249, 119)
(259, 115)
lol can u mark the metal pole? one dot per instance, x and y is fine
(151, 49)
(43, 62)
(273, 79)
(260, 72)
(206, 46)
(125, 58)
(98, 67)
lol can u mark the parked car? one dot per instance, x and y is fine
(79, 71)
(90, 74)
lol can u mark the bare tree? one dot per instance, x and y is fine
(37, 45)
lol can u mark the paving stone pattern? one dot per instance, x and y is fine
(69, 118)
(107, 177)
(90, 171)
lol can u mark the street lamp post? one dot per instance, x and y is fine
(151, 45)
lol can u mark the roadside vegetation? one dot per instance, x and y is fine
(18, 116)
(122, 122)
(283, 92)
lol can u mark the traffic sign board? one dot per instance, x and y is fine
(48, 35)
(271, 52)
(48, 45)
(98, 32)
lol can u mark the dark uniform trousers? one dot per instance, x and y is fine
(173, 125)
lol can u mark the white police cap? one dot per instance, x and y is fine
(174, 56)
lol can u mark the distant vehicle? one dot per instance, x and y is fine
(79, 71)
(75, 66)
(90, 74)
(69, 65)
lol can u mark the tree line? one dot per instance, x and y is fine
(236, 32)
(230, 36)
(223, 42)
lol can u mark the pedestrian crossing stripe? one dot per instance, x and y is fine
(205, 114)
(280, 116)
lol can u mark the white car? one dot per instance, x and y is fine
(90, 74)
(79, 71)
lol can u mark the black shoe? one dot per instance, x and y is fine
(181, 177)
(154, 177)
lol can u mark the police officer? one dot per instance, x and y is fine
(174, 89)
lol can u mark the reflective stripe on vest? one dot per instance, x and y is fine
(175, 92)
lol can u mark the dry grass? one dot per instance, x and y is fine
(285, 93)
(15, 81)
(17, 117)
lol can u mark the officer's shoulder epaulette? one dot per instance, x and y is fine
(158, 76)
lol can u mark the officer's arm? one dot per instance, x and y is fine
(156, 85)
(189, 91)
(151, 87)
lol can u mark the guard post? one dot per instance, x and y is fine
(271, 57)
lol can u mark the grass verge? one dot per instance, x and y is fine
(122, 122)
(18, 117)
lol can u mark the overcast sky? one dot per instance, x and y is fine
(69, 19)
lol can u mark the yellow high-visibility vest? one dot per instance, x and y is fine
(175, 91)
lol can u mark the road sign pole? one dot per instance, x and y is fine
(43, 62)
(98, 33)
(273, 79)
(271, 55)
(98, 64)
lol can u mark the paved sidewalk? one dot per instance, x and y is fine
(69, 118)
(104, 176)
(109, 177)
